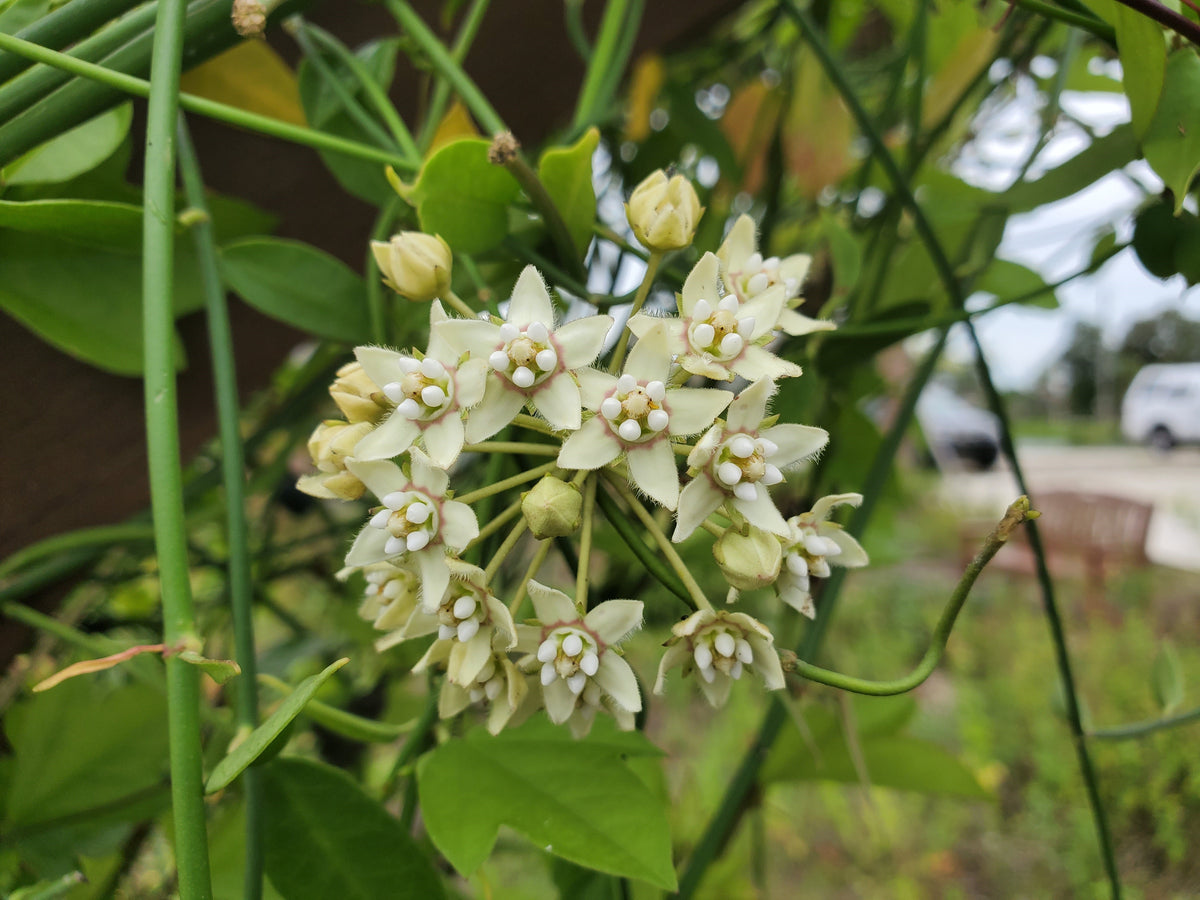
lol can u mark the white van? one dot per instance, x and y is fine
(1162, 405)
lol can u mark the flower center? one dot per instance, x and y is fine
(488, 683)
(526, 357)
(635, 409)
(570, 654)
(758, 274)
(424, 391)
(807, 556)
(461, 615)
(741, 465)
(721, 649)
(410, 519)
(720, 332)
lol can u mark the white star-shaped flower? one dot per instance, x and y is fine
(737, 460)
(579, 671)
(812, 545)
(499, 684)
(720, 646)
(720, 337)
(416, 522)
(531, 360)
(638, 414)
(431, 394)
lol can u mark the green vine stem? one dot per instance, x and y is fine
(376, 298)
(162, 430)
(1017, 513)
(99, 537)
(64, 26)
(447, 67)
(647, 557)
(496, 523)
(140, 87)
(505, 548)
(585, 541)
(459, 304)
(639, 300)
(501, 486)
(1140, 729)
(1090, 24)
(539, 557)
(607, 61)
(511, 447)
(440, 98)
(233, 467)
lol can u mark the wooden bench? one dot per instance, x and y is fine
(1087, 534)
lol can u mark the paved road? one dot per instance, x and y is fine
(1171, 482)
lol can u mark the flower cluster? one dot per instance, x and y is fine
(527, 385)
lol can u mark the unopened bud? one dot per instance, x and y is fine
(357, 396)
(414, 265)
(333, 441)
(553, 508)
(749, 561)
(663, 212)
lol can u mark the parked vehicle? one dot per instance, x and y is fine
(1162, 405)
(957, 431)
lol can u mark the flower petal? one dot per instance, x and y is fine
(502, 621)
(676, 654)
(795, 442)
(594, 386)
(468, 662)
(643, 324)
(761, 512)
(757, 362)
(459, 525)
(380, 364)
(650, 360)
(618, 681)
(469, 382)
(558, 400)
(426, 475)
(700, 283)
(738, 244)
(749, 408)
(452, 700)
(765, 308)
(444, 439)
(393, 436)
(530, 301)
(798, 324)
(497, 409)
(551, 606)
(698, 499)
(381, 476)
(766, 663)
(652, 468)
(823, 507)
(591, 447)
(614, 619)
(580, 341)
(367, 548)
(853, 556)
(560, 702)
(694, 409)
(474, 336)
(435, 576)
(716, 692)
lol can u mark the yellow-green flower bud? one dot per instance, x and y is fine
(553, 508)
(357, 396)
(663, 212)
(749, 561)
(414, 265)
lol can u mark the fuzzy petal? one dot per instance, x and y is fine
(435, 576)
(444, 439)
(530, 301)
(426, 475)
(452, 700)
(716, 693)
(466, 663)
(798, 324)
(653, 470)
(757, 362)
(469, 382)
(853, 556)
(591, 447)
(672, 329)
(765, 308)
(795, 442)
(698, 499)
(618, 681)
(381, 364)
(558, 400)
(552, 607)
(694, 409)
(502, 621)
(594, 386)
(380, 476)
(749, 408)
(459, 525)
(650, 358)
(499, 406)
(474, 336)
(766, 663)
(700, 283)
(761, 512)
(394, 435)
(581, 341)
(614, 619)
(560, 702)
(826, 505)
(738, 244)
(677, 654)
(367, 548)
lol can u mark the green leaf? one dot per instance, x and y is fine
(577, 799)
(324, 837)
(323, 111)
(1005, 278)
(21, 13)
(219, 670)
(844, 252)
(85, 301)
(566, 173)
(1168, 244)
(1102, 156)
(92, 223)
(463, 197)
(1143, 63)
(300, 285)
(73, 152)
(1167, 679)
(1172, 142)
(261, 737)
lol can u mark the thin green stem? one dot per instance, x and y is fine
(459, 304)
(604, 59)
(162, 428)
(97, 646)
(556, 226)
(375, 94)
(440, 98)
(539, 557)
(639, 301)
(514, 481)
(647, 557)
(524, 420)
(1139, 729)
(140, 87)
(64, 26)
(576, 34)
(585, 541)
(1089, 24)
(446, 66)
(511, 447)
(343, 723)
(376, 296)
(498, 522)
(555, 274)
(1016, 514)
(678, 566)
(504, 549)
(416, 738)
(233, 467)
(98, 538)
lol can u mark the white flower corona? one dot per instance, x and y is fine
(812, 545)
(720, 647)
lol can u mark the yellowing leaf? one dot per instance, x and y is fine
(972, 52)
(648, 76)
(818, 132)
(457, 123)
(748, 122)
(250, 76)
